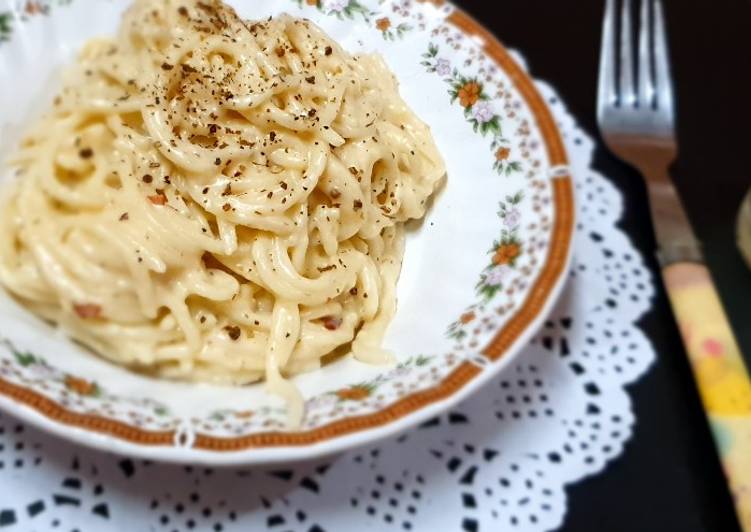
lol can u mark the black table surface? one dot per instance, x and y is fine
(668, 478)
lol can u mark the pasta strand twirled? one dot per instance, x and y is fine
(217, 199)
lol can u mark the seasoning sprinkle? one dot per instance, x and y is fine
(233, 331)
(87, 310)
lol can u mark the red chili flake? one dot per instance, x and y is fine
(183, 11)
(147, 178)
(86, 153)
(331, 323)
(158, 199)
(87, 310)
(167, 66)
(124, 216)
(226, 207)
(233, 331)
(280, 51)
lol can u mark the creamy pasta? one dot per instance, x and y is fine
(221, 200)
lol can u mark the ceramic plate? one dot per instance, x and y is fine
(479, 274)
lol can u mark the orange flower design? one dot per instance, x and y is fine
(506, 253)
(355, 393)
(383, 23)
(80, 386)
(33, 8)
(311, 2)
(502, 154)
(469, 94)
(467, 317)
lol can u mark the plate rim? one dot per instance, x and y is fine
(274, 446)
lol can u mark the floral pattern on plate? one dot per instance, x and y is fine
(478, 109)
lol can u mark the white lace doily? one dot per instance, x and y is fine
(501, 460)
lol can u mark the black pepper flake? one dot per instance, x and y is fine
(335, 193)
(233, 331)
(154, 165)
(124, 216)
(311, 113)
(357, 204)
(353, 170)
(167, 66)
(328, 50)
(147, 178)
(205, 190)
(187, 69)
(353, 290)
(86, 153)
(283, 184)
(280, 51)
(269, 194)
(217, 161)
(167, 179)
(272, 135)
(227, 190)
(183, 11)
(311, 79)
(202, 319)
(226, 207)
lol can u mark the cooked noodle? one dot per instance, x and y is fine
(218, 200)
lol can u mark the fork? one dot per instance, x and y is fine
(635, 113)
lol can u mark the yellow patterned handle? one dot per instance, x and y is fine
(721, 375)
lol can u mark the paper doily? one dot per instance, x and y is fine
(501, 460)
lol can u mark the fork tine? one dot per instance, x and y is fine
(663, 81)
(606, 89)
(646, 88)
(627, 61)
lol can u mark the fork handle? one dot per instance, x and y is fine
(719, 371)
